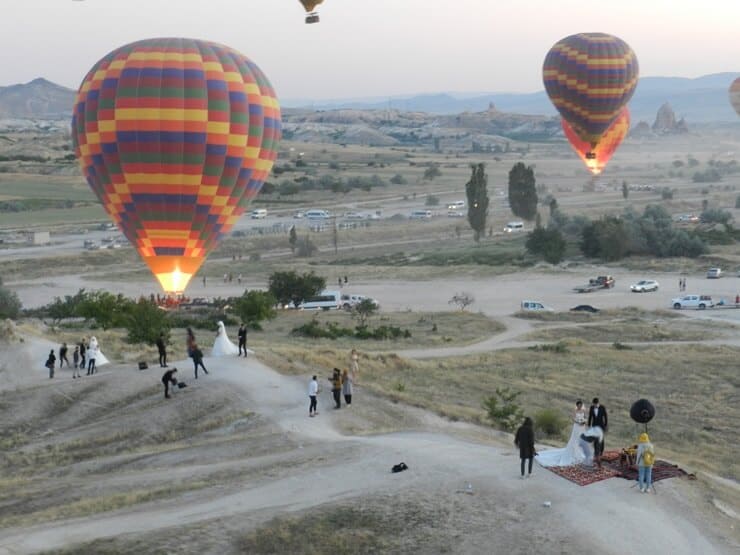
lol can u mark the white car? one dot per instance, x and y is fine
(644, 285)
(349, 301)
(535, 306)
(455, 214)
(353, 216)
(714, 273)
(692, 301)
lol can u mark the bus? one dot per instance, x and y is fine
(326, 300)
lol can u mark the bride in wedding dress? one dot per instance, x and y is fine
(96, 353)
(573, 453)
(223, 346)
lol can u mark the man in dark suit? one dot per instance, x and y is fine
(597, 417)
(242, 340)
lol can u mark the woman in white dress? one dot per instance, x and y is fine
(573, 453)
(223, 346)
(95, 352)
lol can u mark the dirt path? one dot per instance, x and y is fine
(438, 462)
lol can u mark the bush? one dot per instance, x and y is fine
(10, 304)
(549, 243)
(550, 422)
(715, 216)
(144, 321)
(290, 287)
(431, 200)
(502, 409)
(560, 347)
(666, 193)
(255, 306)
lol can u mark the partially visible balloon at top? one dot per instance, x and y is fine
(310, 6)
(590, 77)
(735, 95)
(175, 137)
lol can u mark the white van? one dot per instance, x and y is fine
(421, 215)
(457, 205)
(326, 300)
(535, 306)
(259, 214)
(514, 226)
(317, 215)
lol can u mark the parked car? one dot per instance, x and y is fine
(421, 215)
(349, 300)
(714, 273)
(644, 285)
(457, 205)
(353, 216)
(584, 308)
(455, 214)
(326, 300)
(692, 301)
(512, 227)
(535, 306)
(259, 214)
(298, 214)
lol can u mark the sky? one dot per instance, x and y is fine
(372, 48)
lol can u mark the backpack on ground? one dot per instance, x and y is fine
(400, 467)
(648, 457)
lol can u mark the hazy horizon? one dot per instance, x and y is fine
(392, 49)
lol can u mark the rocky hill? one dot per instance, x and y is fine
(39, 99)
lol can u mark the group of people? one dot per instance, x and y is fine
(342, 385)
(222, 346)
(86, 356)
(585, 445)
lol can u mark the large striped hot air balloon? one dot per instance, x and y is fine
(590, 77)
(175, 137)
(606, 147)
(735, 95)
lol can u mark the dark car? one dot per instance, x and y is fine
(584, 308)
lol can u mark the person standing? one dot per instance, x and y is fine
(336, 387)
(645, 462)
(92, 354)
(83, 353)
(190, 341)
(524, 439)
(76, 360)
(313, 391)
(597, 417)
(347, 387)
(63, 356)
(168, 378)
(198, 360)
(242, 340)
(50, 363)
(162, 348)
(354, 364)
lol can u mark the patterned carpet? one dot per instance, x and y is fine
(584, 475)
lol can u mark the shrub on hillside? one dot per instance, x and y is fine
(549, 422)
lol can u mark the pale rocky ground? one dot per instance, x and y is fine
(279, 462)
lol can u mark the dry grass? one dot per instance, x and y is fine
(633, 331)
(626, 313)
(687, 384)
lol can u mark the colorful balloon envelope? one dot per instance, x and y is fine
(175, 137)
(605, 148)
(735, 95)
(590, 77)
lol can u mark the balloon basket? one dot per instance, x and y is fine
(312, 18)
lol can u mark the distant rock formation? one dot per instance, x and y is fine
(642, 129)
(38, 99)
(666, 123)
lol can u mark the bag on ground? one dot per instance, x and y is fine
(400, 467)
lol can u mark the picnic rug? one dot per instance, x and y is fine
(584, 475)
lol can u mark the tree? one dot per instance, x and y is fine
(476, 189)
(463, 300)
(144, 321)
(398, 179)
(290, 287)
(108, 310)
(523, 191)
(292, 239)
(431, 172)
(363, 310)
(431, 200)
(10, 304)
(549, 243)
(255, 306)
(607, 238)
(502, 408)
(306, 247)
(625, 190)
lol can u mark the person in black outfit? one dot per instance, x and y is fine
(198, 360)
(524, 439)
(63, 355)
(167, 379)
(242, 340)
(50, 362)
(83, 350)
(597, 417)
(162, 348)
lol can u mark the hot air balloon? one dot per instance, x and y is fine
(605, 148)
(590, 77)
(310, 6)
(175, 137)
(735, 95)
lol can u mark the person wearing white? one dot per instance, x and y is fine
(576, 451)
(95, 352)
(313, 391)
(223, 346)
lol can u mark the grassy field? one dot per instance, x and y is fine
(694, 388)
